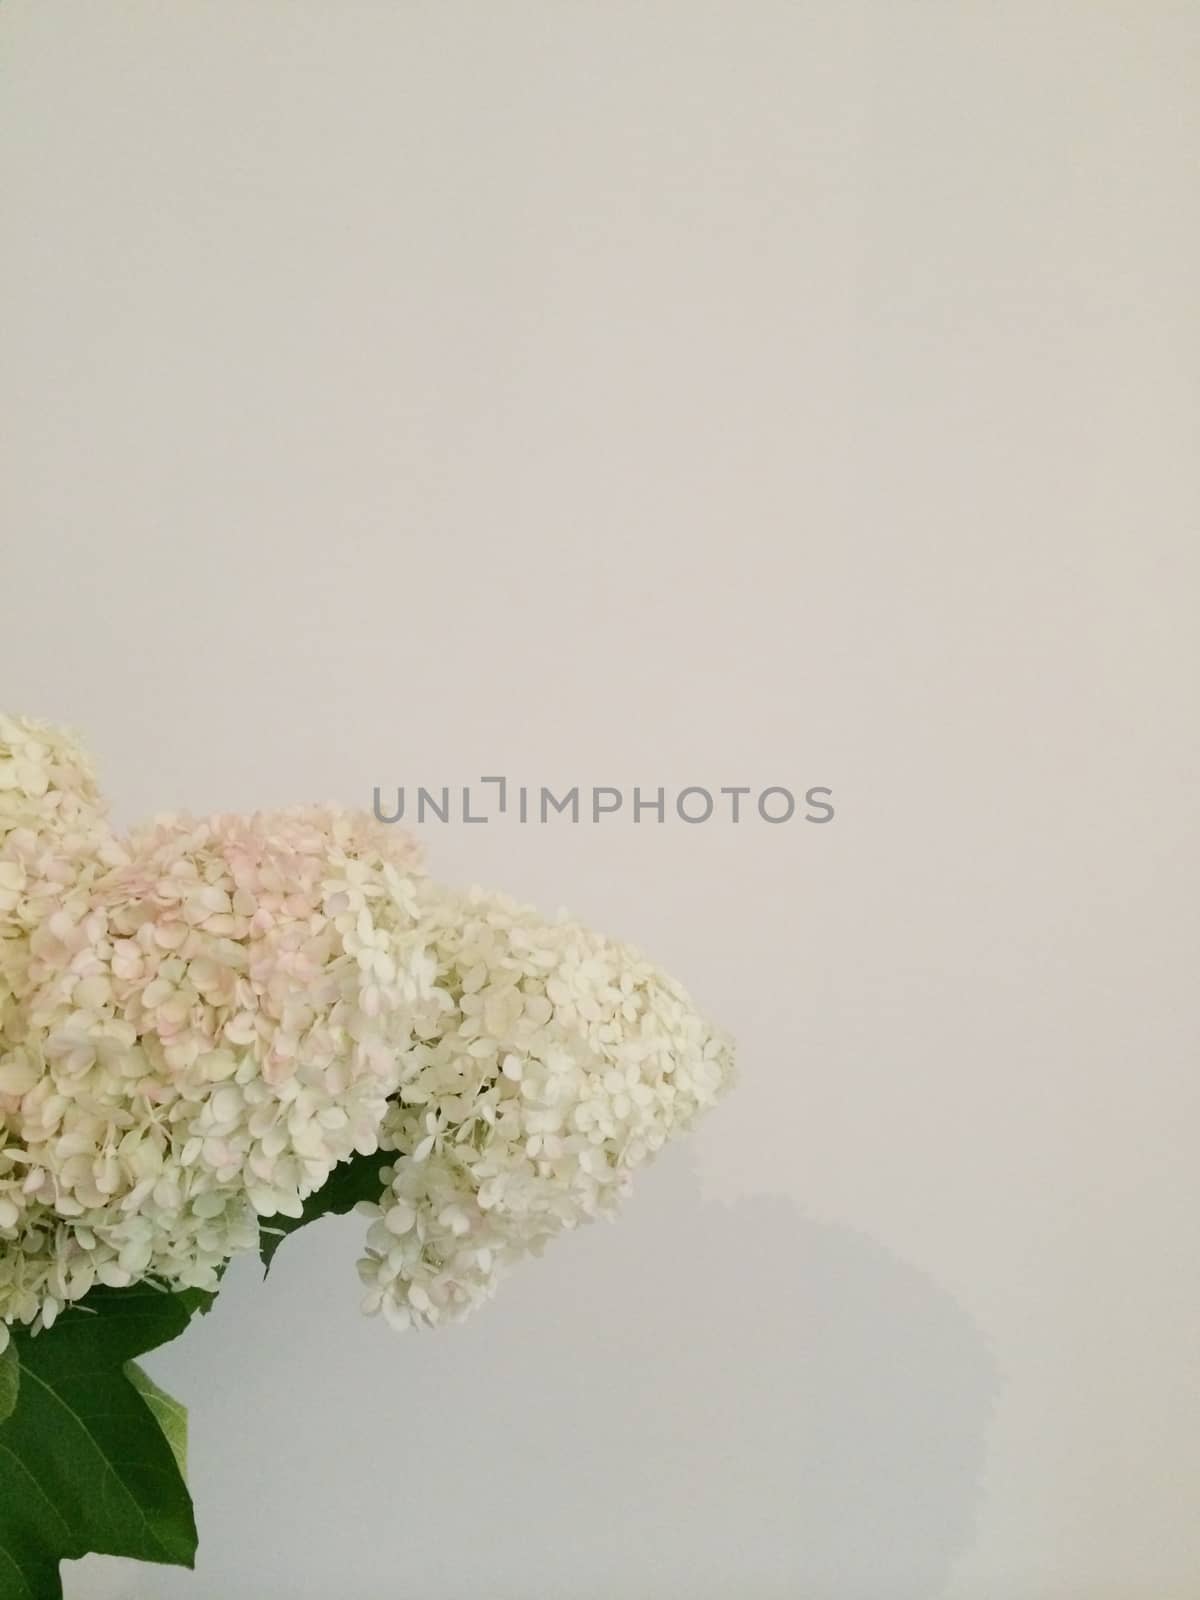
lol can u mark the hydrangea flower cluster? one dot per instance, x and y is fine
(200, 1021)
(553, 1064)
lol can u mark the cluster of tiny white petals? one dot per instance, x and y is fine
(55, 842)
(554, 1064)
(197, 1025)
(200, 1021)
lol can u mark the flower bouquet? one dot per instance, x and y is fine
(214, 1031)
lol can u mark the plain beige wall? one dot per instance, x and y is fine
(675, 393)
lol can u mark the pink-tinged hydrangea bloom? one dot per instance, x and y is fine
(198, 1023)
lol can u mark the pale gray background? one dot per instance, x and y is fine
(668, 393)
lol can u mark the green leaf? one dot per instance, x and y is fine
(169, 1413)
(10, 1380)
(197, 1300)
(84, 1464)
(353, 1181)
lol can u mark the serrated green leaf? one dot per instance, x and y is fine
(84, 1464)
(170, 1414)
(353, 1181)
(10, 1380)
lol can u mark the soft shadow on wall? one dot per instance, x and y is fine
(552, 1449)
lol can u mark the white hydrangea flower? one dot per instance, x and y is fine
(198, 1023)
(552, 1064)
(199, 1028)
